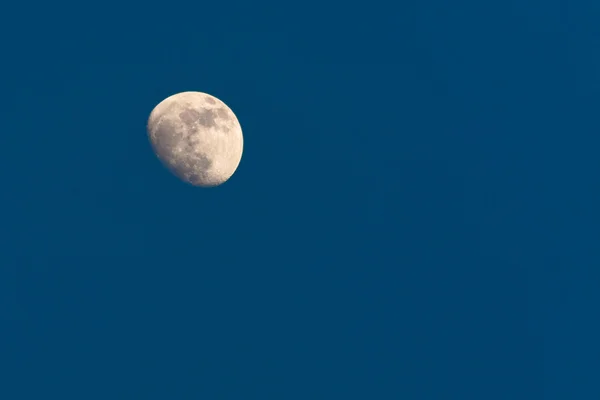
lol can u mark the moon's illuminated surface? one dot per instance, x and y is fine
(197, 137)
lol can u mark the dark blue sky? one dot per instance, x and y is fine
(415, 215)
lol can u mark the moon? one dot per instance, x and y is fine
(197, 137)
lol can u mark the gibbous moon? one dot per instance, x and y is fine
(197, 137)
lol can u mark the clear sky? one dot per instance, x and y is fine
(415, 215)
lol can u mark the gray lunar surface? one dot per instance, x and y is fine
(197, 137)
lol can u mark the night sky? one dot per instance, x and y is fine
(415, 215)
